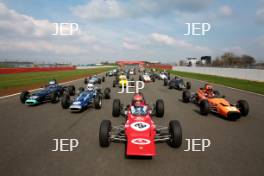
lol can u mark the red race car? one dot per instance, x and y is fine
(139, 133)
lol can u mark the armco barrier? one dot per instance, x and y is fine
(239, 73)
(34, 69)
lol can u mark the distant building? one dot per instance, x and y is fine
(206, 60)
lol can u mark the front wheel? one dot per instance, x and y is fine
(175, 132)
(98, 102)
(65, 101)
(104, 137)
(243, 107)
(204, 107)
(186, 96)
(107, 93)
(24, 96)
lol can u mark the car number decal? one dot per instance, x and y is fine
(140, 141)
(140, 126)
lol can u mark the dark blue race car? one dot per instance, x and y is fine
(94, 80)
(90, 97)
(51, 92)
(177, 83)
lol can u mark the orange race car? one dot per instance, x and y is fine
(209, 100)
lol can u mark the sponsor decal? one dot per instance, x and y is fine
(140, 126)
(140, 141)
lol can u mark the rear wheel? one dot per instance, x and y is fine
(85, 80)
(24, 96)
(71, 89)
(104, 137)
(165, 82)
(116, 108)
(188, 85)
(186, 96)
(54, 97)
(204, 107)
(65, 101)
(159, 108)
(107, 93)
(175, 131)
(243, 107)
(98, 102)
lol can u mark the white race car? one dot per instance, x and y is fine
(146, 78)
(163, 75)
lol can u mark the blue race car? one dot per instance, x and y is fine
(177, 83)
(92, 96)
(94, 80)
(51, 92)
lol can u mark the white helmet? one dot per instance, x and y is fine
(90, 86)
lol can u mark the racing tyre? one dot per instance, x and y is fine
(65, 101)
(170, 86)
(243, 107)
(85, 80)
(188, 85)
(186, 96)
(107, 93)
(54, 97)
(159, 108)
(105, 128)
(103, 79)
(153, 79)
(71, 89)
(99, 81)
(175, 131)
(114, 83)
(116, 108)
(165, 82)
(98, 102)
(204, 107)
(24, 96)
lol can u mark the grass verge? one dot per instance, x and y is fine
(252, 86)
(11, 83)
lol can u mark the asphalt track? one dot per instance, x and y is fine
(27, 135)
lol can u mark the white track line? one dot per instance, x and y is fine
(7, 96)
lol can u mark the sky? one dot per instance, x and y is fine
(111, 30)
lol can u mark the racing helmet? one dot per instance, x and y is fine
(138, 100)
(52, 82)
(208, 88)
(90, 87)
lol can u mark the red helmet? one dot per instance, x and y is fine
(138, 100)
(208, 88)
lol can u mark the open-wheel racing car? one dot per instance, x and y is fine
(86, 98)
(146, 77)
(139, 133)
(177, 83)
(51, 92)
(122, 81)
(210, 100)
(94, 80)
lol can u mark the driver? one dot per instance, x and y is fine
(90, 87)
(208, 90)
(138, 106)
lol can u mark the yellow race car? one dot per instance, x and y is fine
(122, 81)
